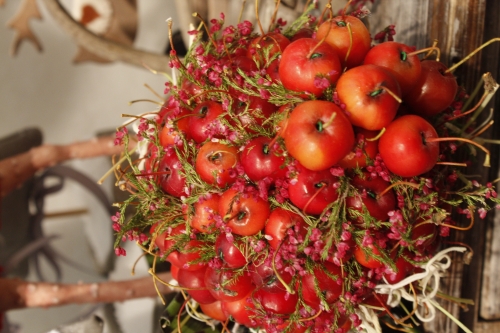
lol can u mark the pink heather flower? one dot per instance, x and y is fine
(337, 171)
(117, 227)
(264, 94)
(321, 82)
(116, 217)
(482, 212)
(119, 251)
(245, 28)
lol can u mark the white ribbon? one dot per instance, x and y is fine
(423, 303)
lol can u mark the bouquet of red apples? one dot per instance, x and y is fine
(303, 179)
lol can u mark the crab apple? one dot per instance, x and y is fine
(176, 124)
(172, 181)
(434, 91)
(166, 240)
(349, 36)
(278, 224)
(365, 149)
(205, 117)
(368, 94)
(214, 311)
(244, 63)
(399, 60)
(215, 162)
(259, 160)
(318, 134)
(328, 279)
(227, 284)
(368, 196)
(245, 214)
(274, 297)
(313, 191)
(305, 62)
(242, 311)
(254, 112)
(194, 281)
(302, 33)
(203, 218)
(406, 146)
(190, 255)
(366, 260)
(403, 269)
(229, 251)
(423, 234)
(272, 42)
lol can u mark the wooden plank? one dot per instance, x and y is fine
(489, 298)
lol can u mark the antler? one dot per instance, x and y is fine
(102, 47)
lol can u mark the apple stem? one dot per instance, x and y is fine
(474, 108)
(153, 92)
(257, 18)
(278, 276)
(195, 14)
(158, 173)
(312, 52)
(311, 318)
(434, 44)
(429, 50)
(387, 90)
(350, 43)
(490, 88)
(322, 186)
(470, 55)
(306, 6)
(344, 10)
(483, 129)
(452, 164)
(328, 6)
(115, 166)
(381, 194)
(471, 224)
(216, 155)
(145, 100)
(171, 39)
(241, 10)
(321, 126)
(379, 135)
(273, 17)
(486, 159)
(206, 92)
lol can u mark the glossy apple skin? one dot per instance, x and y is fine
(314, 139)
(278, 223)
(214, 163)
(313, 191)
(362, 151)
(298, 70)
(275, 42)
(245, 215)
(394, 57)
(434, 91)
(368, 105)
(338, 36)
(405, 149)
(330, 287)
(203, 215)
(203, 116)
(260, 161)
(377, 207)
